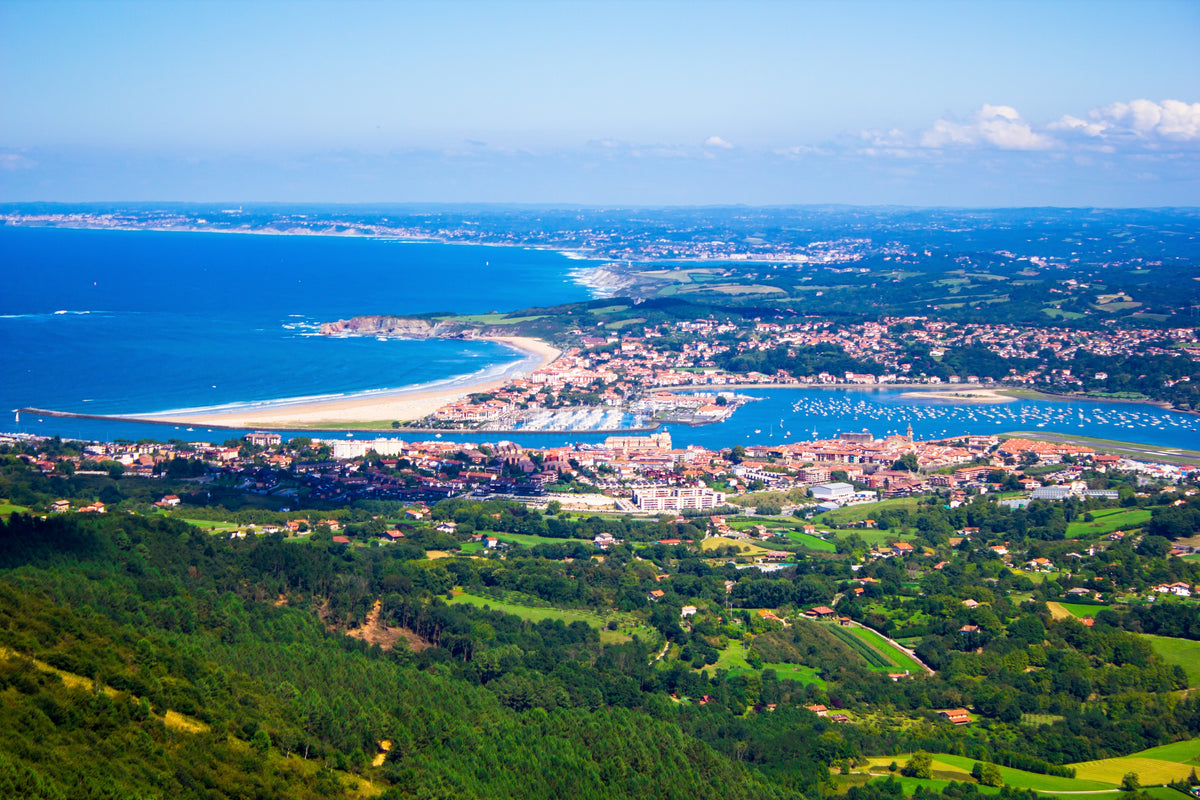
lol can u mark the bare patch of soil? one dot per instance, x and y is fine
(373, 631)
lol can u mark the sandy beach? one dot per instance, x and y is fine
(964, 395)
(401, 406)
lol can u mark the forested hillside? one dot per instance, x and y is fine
(145, 618)
(144, 657)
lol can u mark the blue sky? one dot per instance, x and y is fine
(920, 103)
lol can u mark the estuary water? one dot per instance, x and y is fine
(126, 322)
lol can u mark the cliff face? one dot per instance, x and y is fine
(400, 327)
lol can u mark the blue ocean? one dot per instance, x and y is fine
(129, 322)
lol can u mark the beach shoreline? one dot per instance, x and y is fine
(964, 396)
(402, 405)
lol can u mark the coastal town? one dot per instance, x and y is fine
(624, 474)
(623, 380)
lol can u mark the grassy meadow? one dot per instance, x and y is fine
(626, 625)
(1108, 520)
(1182, 652)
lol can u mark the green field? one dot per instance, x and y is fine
(627, 624)
(879, 654)
(958, 768)
(796, 672)
(212, 526)
(746, 548)
(1076, 609)
(492, 319)
(875, 537)
(907, 785)
(1186, 752)
(1157, 765)
(1150, 771)
(810, 542)
(731, 659)
(742, 523)
(1107, 521)
(1182, 652)
(1032, 780)
(867, 510)
(1163, 792)
(7, 509)
(1041, 719)
(529, 539)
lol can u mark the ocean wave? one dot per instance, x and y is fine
(50, 314)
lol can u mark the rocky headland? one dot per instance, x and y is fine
(401, 328)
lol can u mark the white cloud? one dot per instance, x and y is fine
(717, 141)
(803, 150)
(893, 138)
(995, 126)
(1172, 120)
(1075, 125)
(661, 151)
(15, 161)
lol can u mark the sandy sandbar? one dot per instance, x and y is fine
(402, 405)
(964, 395)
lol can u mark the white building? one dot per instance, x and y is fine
(357, 449)
(677, 498)
(259, 439)
(834, 492)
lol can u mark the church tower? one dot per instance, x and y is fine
(908, 433)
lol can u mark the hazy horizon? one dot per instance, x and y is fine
(923, 104)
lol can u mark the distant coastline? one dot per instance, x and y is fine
(571, 253)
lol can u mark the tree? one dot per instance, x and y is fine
(261, 742)
(115, 469)
(991, 776)
(906, 463)
(1130, 782)
(919, 766)
(1154, 547)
